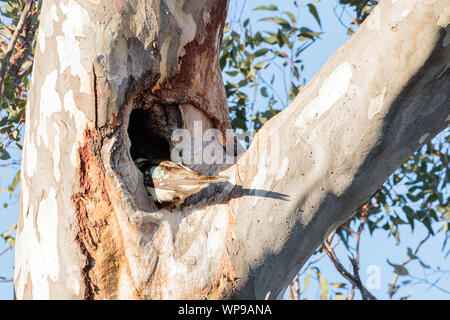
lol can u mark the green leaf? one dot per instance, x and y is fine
(392, 289)
(280, 21)
(306, 282)
(408, 211)
(3, 121)
(313, 11)
(411, 254)
(223, 61)
(433, 197)
(340, 296)
(261, 52)
(427, 223)
(270, 8)
(399, 269)
(14, 183)
(306, 33)
(291, 16)
(338, 285)
(442, 209)
(4, 155)
(264, 92)
(8, 237)
(271, 39)
(397, 221)
(424, 265)
(8, 233)
(281, 38)
(232, 73)
(323, 287)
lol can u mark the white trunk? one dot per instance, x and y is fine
(87, 228)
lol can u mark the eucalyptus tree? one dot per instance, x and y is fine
(114, 81)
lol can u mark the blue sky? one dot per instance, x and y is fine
(8, 217)
(374, 251)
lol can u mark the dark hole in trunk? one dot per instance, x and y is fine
(150, 131)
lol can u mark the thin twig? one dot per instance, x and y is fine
(432, 284)
(394, 281)
(5, 250)
(358, 240)
(353, 278)
(295, 290)
(5, 279)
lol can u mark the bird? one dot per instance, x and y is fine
(169, 183)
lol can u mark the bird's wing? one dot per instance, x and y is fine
(178, 176)
(177, 171)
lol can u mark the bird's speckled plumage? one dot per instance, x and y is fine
(169, 183)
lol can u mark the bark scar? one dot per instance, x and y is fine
(102, 90)
(99, 236)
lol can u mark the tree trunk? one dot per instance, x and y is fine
(112, 82)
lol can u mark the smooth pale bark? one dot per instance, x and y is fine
(86, 227)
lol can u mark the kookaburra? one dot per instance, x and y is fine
(169, 184)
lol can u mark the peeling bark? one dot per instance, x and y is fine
(111, 82)
(99, 236)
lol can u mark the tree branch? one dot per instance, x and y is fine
(353, 278)
(12, 43)
(351, 126)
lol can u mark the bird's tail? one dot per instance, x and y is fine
(214, 179)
